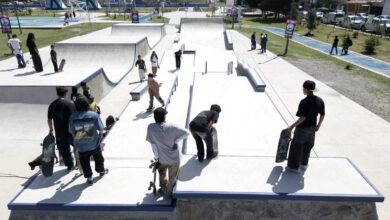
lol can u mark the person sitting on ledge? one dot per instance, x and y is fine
(164, 138)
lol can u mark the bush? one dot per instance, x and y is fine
(355, 34)
(370, 45)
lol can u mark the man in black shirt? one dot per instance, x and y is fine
(53, 55)
(141, 68)
(306, 126)
(201, 127)
(59, 112)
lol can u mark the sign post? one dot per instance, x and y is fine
(290, 27)
(5, 25)
(134, 16)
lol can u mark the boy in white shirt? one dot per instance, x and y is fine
(16, 47)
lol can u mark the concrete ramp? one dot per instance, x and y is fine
(153, 32)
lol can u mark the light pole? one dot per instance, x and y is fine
(17, 16)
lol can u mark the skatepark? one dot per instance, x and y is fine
(243, 182)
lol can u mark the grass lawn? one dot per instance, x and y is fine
(327, 33)
(276, 44)
(159, 19)
(48, 37)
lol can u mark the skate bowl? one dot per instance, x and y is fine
(153, 32)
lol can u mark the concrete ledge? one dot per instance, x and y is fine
(228, 40)
(259, 178)
(255, 79)
(138, 91)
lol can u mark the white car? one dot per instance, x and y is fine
(319, 14)
(353, 21)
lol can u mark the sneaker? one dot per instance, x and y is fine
(209, 157)
(200, 159)
(292, 170)
(101, 174)
(31, 166)
(90, 181)
(70, 169)
(162, 191)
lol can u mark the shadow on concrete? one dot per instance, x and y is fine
(174, 70)
(192, 169)
(25, 74)
(10, 175)
(285, 182)
(143, 115)
(46, 182)
(135, 82)
(151, 199)
(48, 74)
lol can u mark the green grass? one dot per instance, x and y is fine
(48, 37)
(159, 19)
(276, 44)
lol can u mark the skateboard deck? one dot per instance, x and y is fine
(215, 139)
(48, 155)
(62, 64)
(283, 145)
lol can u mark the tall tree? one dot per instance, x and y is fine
(311, 21)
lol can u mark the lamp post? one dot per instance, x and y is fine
(17, 16)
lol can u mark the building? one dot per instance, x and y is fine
(376, 7)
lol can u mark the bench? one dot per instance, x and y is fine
(138, 91)
(228, 40)
(245, 70)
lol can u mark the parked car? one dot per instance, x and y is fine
(334, 18)
(319, 14)
(371, 25)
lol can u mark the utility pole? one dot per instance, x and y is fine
(17, 16)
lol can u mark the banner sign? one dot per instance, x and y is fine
(290, 26)
(5, 24)
(134, 17)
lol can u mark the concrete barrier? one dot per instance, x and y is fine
(139, 91)
(228, 40)
(244, 69)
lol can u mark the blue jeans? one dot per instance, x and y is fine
(21, 63)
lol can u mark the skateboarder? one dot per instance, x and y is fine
(53, 55)
(84, 125)
(154, 91)
(263, 42)
(334, 45)
(16, 48)
(253, 41)
(305, 128)
(59, 113)
(164, 138)
(201, 129)
(178, 59)
(141, 68)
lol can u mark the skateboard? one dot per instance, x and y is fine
(283, 146)
(48, 155)
(215, 139)
(152, 184)
(62, 64)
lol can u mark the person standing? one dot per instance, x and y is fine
(178, 59)
(87, 130)
(264, 40)
(141, 68)
(58, 114)
(334, 45)
(346, 45)
(53, 55)
(16, 48)
(75, 94)
(154, 91)
(32, 47)
(164, 139)
(85, 89)
(305, 128)
(154, 62)
(253, 41)
(201, 129)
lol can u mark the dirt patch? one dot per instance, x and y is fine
(365, 88)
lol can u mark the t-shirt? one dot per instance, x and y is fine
(15, 44)
(84, 127)
(201, 121)
(140, 64)
(154, 61)
(310, 107)
(164, 136)
(60, 111)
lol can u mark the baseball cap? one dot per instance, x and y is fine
(160, 111)
(310, 85)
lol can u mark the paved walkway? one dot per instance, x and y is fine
(349, 130)
(363, 61)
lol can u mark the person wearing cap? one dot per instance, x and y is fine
(201, 128)
(305, 128)
(164, 139)
(87, 130)
(154, 91)
(58, 114)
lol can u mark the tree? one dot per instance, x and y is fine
(293, 10)
(311, 21)
(252, 3)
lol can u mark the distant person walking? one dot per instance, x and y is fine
(154, 62)
(74, 14)
(253, 41)
(178, 59)
(334, 45)
(347, 43)
(141, 68)
(154, 91)
(164, 139)
(87, 130)
(305, 128)
(53, 55)
(66, 19)
(32, 47)
(201, 129)
(59, 113)
(85, 89)
(16, 48)
(263, 42)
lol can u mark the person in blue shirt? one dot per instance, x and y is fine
(87, 130)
